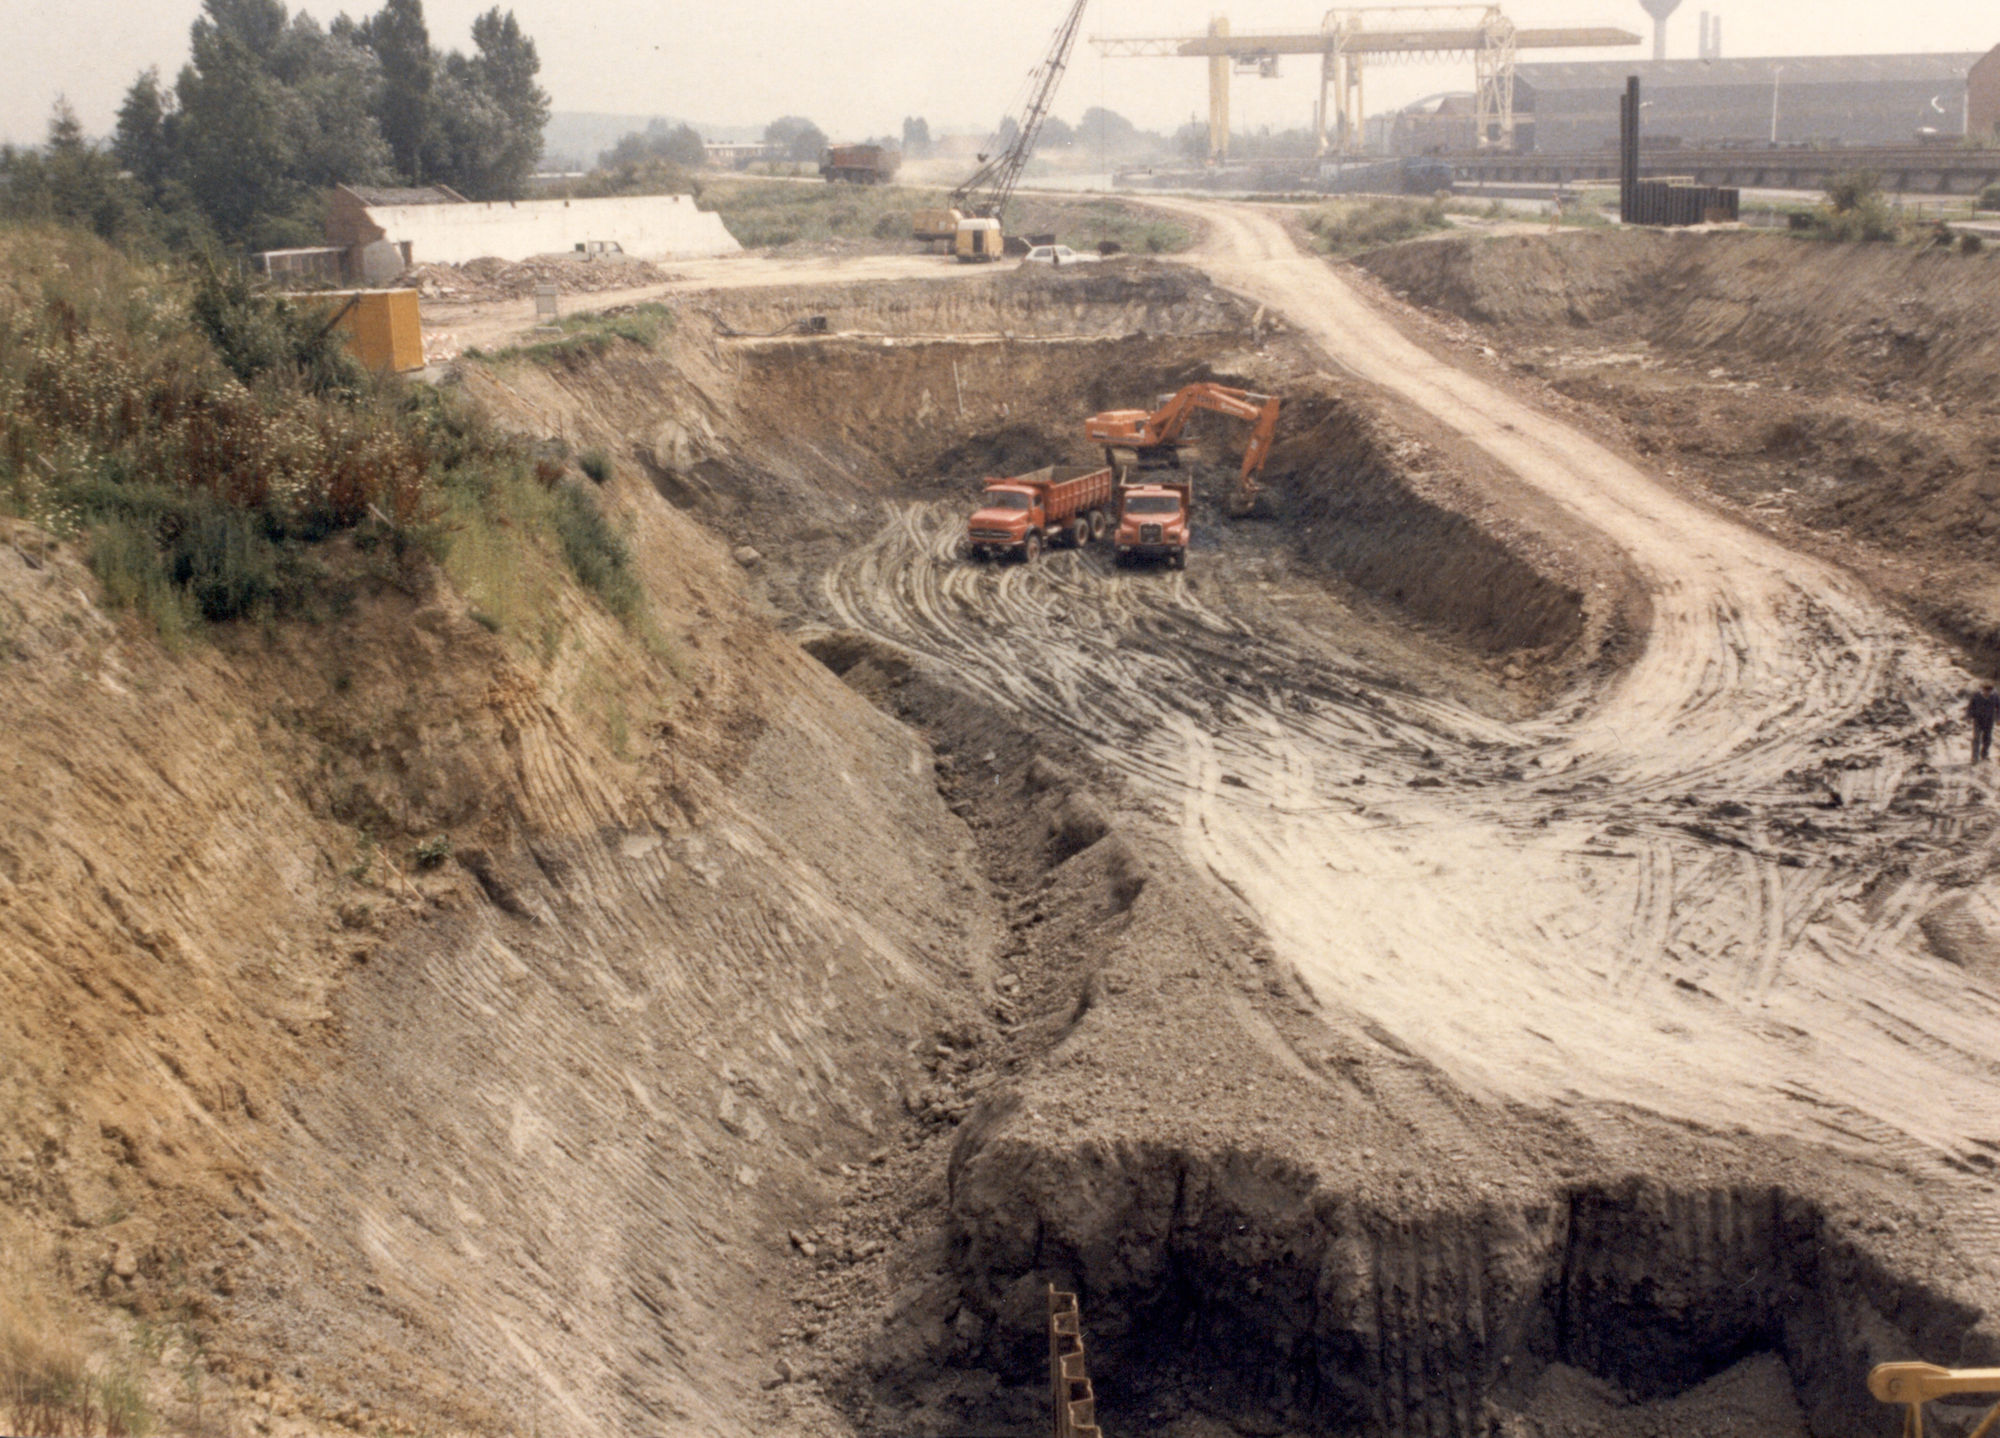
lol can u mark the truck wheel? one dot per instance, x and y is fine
(1079, 533)
(1097, 524)
(1031, 550)
(1179, 560)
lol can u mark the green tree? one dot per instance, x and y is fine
(402, 43)
(331, 89)
(231, 149)
(795, 138)
(504, 68)
(916, 136)
(70, 182)
(678, 145)
(467, 144)
(144, 141)
(257, 25)
(1106, 129)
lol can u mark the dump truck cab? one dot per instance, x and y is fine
(1008, 520)
(1155, 521)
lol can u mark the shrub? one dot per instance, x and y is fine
(1989, 198)
(596, 554)
(1856, 209)
(1970, 244)
(1850, 189)
(595, 463)
(1349, 225)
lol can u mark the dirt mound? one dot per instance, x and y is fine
(1823, 390)
(497, 279)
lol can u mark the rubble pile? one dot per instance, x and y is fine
(491, 278)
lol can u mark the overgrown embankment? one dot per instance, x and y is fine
(432, 991)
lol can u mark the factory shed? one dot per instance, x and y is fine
(1982, 107)
(1803, 100)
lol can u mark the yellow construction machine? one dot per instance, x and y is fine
(1915, 1384)
(972, 222)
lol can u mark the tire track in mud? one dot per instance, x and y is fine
(1640, 897)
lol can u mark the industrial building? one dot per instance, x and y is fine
(1822, 100)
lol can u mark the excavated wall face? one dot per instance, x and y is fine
(1242, 1285)
(1358, 514)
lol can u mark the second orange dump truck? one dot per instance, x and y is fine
(1059, 505)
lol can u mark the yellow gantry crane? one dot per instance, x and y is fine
(1349, 37)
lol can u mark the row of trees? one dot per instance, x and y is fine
(271, 110)
(796, 139)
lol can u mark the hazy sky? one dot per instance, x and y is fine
(857, 68)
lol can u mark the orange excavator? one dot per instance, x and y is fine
(1155, 438)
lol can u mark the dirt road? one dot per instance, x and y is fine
(453, 326)
(1741, 884)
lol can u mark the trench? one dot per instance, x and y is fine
(1256, 1290)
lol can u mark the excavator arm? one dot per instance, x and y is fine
(1162, 429)
(1915, 1384)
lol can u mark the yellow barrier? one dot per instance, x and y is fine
(382, 327)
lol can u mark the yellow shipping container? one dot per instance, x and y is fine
(382, 326)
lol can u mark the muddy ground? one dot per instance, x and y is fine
(1332, 1132)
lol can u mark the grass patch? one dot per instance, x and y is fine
(597, 554)
(1085, 223)
(1348, 227)
(586, 336)
(49, 1388)
(765, 214)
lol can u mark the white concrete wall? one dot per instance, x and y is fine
(649, 226)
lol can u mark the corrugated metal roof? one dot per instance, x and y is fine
(373, 195)
(1798, 70)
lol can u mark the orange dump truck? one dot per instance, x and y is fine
(1154, 520)
(1057, 505)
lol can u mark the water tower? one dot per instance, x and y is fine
(1659, 10)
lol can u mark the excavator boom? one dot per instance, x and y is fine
(1155, 436)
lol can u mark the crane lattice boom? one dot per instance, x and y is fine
(992, 185)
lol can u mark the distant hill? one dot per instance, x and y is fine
(575, 138)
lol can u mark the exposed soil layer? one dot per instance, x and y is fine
(1840, 395)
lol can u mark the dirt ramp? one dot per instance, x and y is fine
(1840, 394)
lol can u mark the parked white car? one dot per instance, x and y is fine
(1056, 255)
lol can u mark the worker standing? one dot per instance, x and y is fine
(1982, 709)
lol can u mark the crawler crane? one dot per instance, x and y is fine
(1154, 437)
(972, 222)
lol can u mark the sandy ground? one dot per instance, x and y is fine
(1742, 884)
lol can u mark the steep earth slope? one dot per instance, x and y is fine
(443, 1029)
